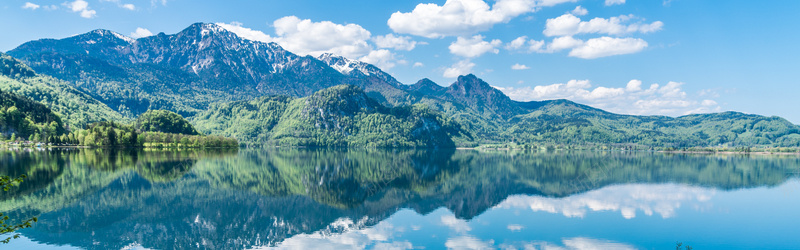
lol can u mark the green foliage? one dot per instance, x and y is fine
(75, 107)
(111, 134)
(23, 118)
(340, 116)
(5, 227)
(14, 68)
(164, 121)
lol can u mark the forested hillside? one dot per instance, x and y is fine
(76, 108)
(22, 118)
(339, 116)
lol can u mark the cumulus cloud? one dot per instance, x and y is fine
(590, 49)
(614, 2)
(119, 3)
(518, 66)
(669, 99)
(608, 46)
(31, 6)
(523, 44)
(246, 33)
(468, 242)
(474, 46)
(569, 24)
(461, 17)
(141, 32)
(455, 224)
(662, 199)
(575, 243)
(395, 42)
(382, 58)
(354, 235)
(82, 7)
(579, 11)
(462, 67)
(305, 37)
(418, 64)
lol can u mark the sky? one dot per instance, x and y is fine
(655, 57)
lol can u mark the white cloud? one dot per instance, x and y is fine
(154, 2)
(468, 242)
(579, 11)
(246, 33)
(568, 25)
(304, 37)
(633, 85)
(461, 17)
(661, 199)
(119, 3)
(515, 227)
(50, 7)
(562, 43)
(462, 67)
(516, 43)
(141, 32)
(614, 2)
(82, 7)
(523, 44)
(455, 224)
(384, 59)
(518, 66)
(593, 48)
(351, 235)
(395, 42)
(29, 5)
(669, 99)
(608, 46)
(474, 47)
(418, 64)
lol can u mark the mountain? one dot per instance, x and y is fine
(76, 108)
(426, 87)
(478, 95)
(338, 116)
(187, 71)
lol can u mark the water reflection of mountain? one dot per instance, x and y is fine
(98, 199)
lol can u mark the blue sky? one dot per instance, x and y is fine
(635, 57)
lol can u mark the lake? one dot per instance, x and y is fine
(401, 199)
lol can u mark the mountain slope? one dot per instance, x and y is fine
(76, 108)
(338, 116)
(24, 118)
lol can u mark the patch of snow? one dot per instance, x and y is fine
(125, 38)
(345, 65)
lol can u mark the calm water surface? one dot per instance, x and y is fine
(397, 199)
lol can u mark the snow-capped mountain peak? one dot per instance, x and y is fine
(343, 64)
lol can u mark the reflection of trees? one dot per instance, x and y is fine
(263, 197)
